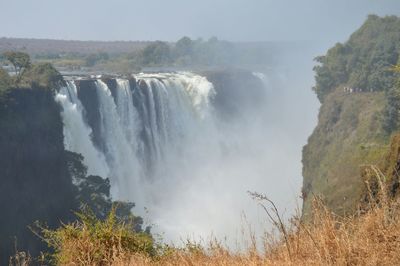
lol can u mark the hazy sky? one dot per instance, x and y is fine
(236, 20)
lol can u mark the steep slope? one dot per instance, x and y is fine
(359, 112)
(349, 134)
(35, 183)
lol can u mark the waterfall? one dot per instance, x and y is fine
(128, 114)
(162, 145)
(178, 106)
(154, 132)
(120, 150)
(77, 134)
(144, 128)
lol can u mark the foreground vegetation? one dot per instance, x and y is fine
(350, 217)
(369, 237)
(40, 179)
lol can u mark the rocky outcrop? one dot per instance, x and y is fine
(236, 91)
(349, 135)
(35, 182)
(388, 168)
(87, 94)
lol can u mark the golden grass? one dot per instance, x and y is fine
(369, 237)
(90, 241)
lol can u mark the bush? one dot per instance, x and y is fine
(5, 80)
(42, 75)
(91, 241)
(363, 61)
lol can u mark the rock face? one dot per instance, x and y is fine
(359, 112)
(389, 167)
(349, 135)
(236, 90)
(88, 96)
(35, 183)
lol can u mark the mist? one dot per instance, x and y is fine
(199, 187)
(259, 150)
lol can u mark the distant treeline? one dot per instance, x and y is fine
(132, 56)
(213, 52)
(55, 47)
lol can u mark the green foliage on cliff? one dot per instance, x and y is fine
(391, 119)
(364, 61)
(35, 183)
(20, 61)
(27, 75)
(353, 127)
(42, 75)
(40, 180)
(349, 134)
(93, 195)
(389, 167)
(5, 80)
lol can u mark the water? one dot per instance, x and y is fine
(165, 148)
(77, 134)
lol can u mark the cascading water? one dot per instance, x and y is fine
(164, 147)
(120, 152)
(169, 111)
(77, 134)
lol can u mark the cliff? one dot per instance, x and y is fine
(359, 113)
(236, 91)
(349, 135)
(35, 183)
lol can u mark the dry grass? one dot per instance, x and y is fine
(370, 237)
(90, 241)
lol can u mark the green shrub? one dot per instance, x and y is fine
(363, 61)
(42, 75)
(91, 241)
(5, 80)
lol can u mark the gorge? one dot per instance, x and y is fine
(183, 149)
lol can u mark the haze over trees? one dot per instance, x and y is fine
(183, 53)
(351, 183)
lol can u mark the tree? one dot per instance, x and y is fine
(92, 59)
(5, 80)
(184, 46)
(183, 51)
(93, 195)
(43, 75)
(157, 53)
(363, 61)
(20, 61)
(392, 111)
